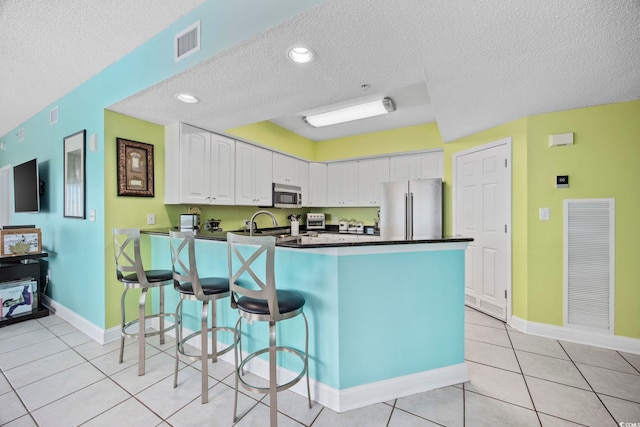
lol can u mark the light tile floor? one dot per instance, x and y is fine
(53, 375)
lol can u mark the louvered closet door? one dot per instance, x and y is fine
(589, 231)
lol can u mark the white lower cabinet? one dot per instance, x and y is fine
(253, 175)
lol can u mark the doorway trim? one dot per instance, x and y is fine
(5, 183)
(507, 142)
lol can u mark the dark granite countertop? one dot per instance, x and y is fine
(285, 240)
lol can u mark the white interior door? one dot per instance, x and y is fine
(5, 196)
(482, 198)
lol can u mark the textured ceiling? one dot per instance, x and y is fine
(468, 65)
(47, 48)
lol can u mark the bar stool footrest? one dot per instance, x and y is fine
(194, 357)
(281, 387)
(124, 333)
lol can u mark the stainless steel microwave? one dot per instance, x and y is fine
(286, 196)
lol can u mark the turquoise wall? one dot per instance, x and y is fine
(77, 247)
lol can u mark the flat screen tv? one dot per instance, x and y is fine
(26, 187)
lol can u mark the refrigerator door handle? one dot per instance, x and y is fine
(410, 217)
(406, 216)
(408, 201)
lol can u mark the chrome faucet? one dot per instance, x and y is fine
(251, 223)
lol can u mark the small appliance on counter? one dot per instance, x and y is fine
(315, 221)
(189, 222)
(212, 225)
(343, 226)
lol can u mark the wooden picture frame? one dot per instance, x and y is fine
(135, 168)
(30, 236)
(74, 175)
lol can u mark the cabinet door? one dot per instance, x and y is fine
(430, 165)
(263, 176)
(342, 188)
(400, 168)
(371, 173)
(301, 175)
(195, 165)
(317, 195)
(222, 170)
(283, 169)
(253, 175)
(289, 170)
(416, 166)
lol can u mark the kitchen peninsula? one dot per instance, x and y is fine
(386, 318)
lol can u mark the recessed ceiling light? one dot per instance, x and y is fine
(189, 99)
(301, 54)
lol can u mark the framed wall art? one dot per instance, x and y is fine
(135, 168)
(20, 241)
(74, 175)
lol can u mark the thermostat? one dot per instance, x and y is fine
(562, 181)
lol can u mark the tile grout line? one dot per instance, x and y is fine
(588, 383)
(526, 384)
(15, 392)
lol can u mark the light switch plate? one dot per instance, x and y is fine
(92, 214)
(151, 219)
(544, 214)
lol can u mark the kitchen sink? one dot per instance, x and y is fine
(282, 234)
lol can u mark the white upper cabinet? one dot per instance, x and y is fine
(199, 167)
(291, 171)
(371, 173)
(254, 175)
(222, 170)
(317, 194)
(342, 184)
(417, 166)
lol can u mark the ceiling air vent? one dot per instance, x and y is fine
(187, 42)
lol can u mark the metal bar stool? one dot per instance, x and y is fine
(193, 288)
(131, 273)
(258, 300)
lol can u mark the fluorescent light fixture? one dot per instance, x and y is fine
(355, 112)
(189, 99)
(300, 54)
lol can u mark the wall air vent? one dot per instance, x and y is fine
(589, 264)
(53, 116)
(187, 42)
(21, 135)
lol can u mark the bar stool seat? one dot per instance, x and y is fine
(289, 303)
(131, 273)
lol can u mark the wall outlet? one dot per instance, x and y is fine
(151, 219)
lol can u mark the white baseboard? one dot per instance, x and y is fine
(381, 391)
(92, 331)
(359, 396)
(612, 342)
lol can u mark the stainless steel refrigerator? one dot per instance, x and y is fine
(411, 210)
